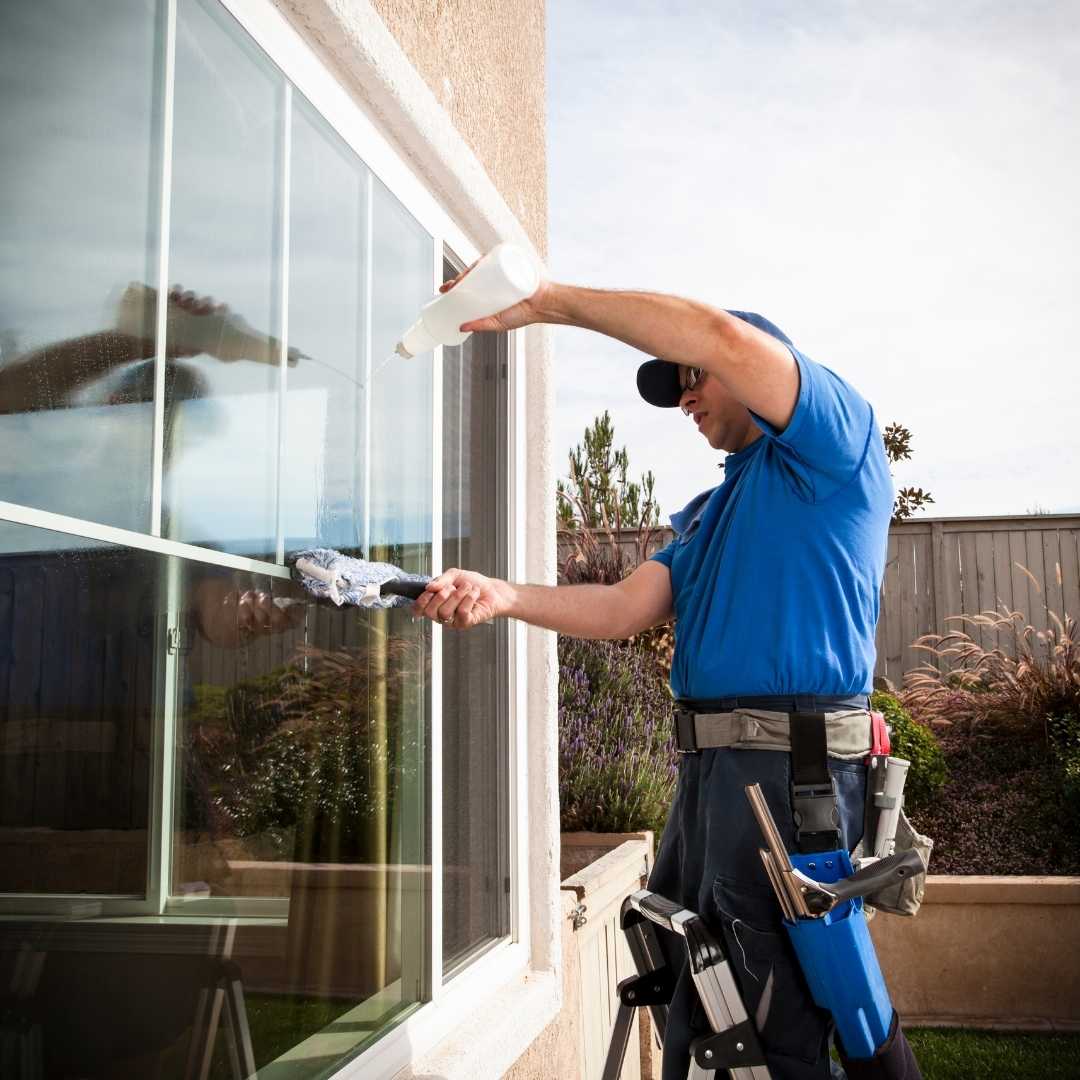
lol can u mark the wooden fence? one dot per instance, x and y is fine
(941, 567)
(944, 567)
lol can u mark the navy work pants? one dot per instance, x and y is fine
(708, 862)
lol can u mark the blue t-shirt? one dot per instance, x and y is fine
(776, 573)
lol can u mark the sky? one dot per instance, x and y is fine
(895, 185)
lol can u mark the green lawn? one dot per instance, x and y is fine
(278, 1023)
(963, 1054)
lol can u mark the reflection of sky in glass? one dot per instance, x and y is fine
(225, 242)
(401, 410)
(327, 279)
(78, 210)
(78, 218)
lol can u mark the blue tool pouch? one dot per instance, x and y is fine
(840, 963)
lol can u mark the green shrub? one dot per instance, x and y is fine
(616, 750)
(915, 743)
(305, 762)
(1063, 737)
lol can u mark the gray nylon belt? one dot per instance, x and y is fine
(847, 731)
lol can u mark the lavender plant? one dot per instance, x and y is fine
(616, 752)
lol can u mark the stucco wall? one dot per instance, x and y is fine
(484, 62)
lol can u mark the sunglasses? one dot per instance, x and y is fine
(689, 377)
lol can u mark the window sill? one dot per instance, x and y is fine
(478, 1046)
(455, 1037)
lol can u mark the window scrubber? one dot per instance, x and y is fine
(341, 579)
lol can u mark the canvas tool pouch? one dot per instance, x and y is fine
(905, 897)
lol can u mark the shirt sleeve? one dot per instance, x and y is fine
(665, 554)
(826, 440)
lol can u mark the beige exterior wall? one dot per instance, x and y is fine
(484, 62)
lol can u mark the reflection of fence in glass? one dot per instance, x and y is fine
(77, 699)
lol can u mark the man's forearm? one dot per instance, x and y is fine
(585, 611)
(756, 369)
(65, 367)
(682, 331)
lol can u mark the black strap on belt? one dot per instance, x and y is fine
(813, 790)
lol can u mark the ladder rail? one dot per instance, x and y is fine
(734, 1045)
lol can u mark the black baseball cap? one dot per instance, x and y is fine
(658, 380)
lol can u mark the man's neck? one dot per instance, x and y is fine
(751, 436)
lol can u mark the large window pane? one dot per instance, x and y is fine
(79, 201)
(82, 633)
(206, 781)
(476, 761)
(302, 777)
(225, 243)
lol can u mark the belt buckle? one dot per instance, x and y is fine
(817, 819)
(685, 732)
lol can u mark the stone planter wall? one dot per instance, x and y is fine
(986, 952)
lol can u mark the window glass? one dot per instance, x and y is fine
(476, 760)
(80, 125)
(221, 453)
(207, 781)
(398, 452)
(324, 466)
(301, 776)
(82, 633)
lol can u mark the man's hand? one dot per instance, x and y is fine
(525, 313)
(461, 599)
(228, 617)
(199, 324)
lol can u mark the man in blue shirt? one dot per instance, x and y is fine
(773, 578)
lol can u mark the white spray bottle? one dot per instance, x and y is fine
(505, 276)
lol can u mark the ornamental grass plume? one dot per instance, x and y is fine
(616, 750)
(981, 687)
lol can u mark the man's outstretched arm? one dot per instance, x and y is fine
(753, 366)
(462, 598)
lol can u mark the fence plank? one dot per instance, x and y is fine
(1053, 592)
(1018, 558)
(969, 583)
(908, 587)
(1003, 585)
(1036, 589)
(937, 568)
(1070, 572)
(924, 597)
(985, 592)
(894, 635)
(954, 601)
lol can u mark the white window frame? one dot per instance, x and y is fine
(508, 958)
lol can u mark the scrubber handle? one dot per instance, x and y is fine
(396, 587)
(879, 875)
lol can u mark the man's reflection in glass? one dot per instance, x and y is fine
(117, 366)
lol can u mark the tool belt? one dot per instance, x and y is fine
(813, 729)
(768, 727)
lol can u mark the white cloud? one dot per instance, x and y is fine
(893, 185)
